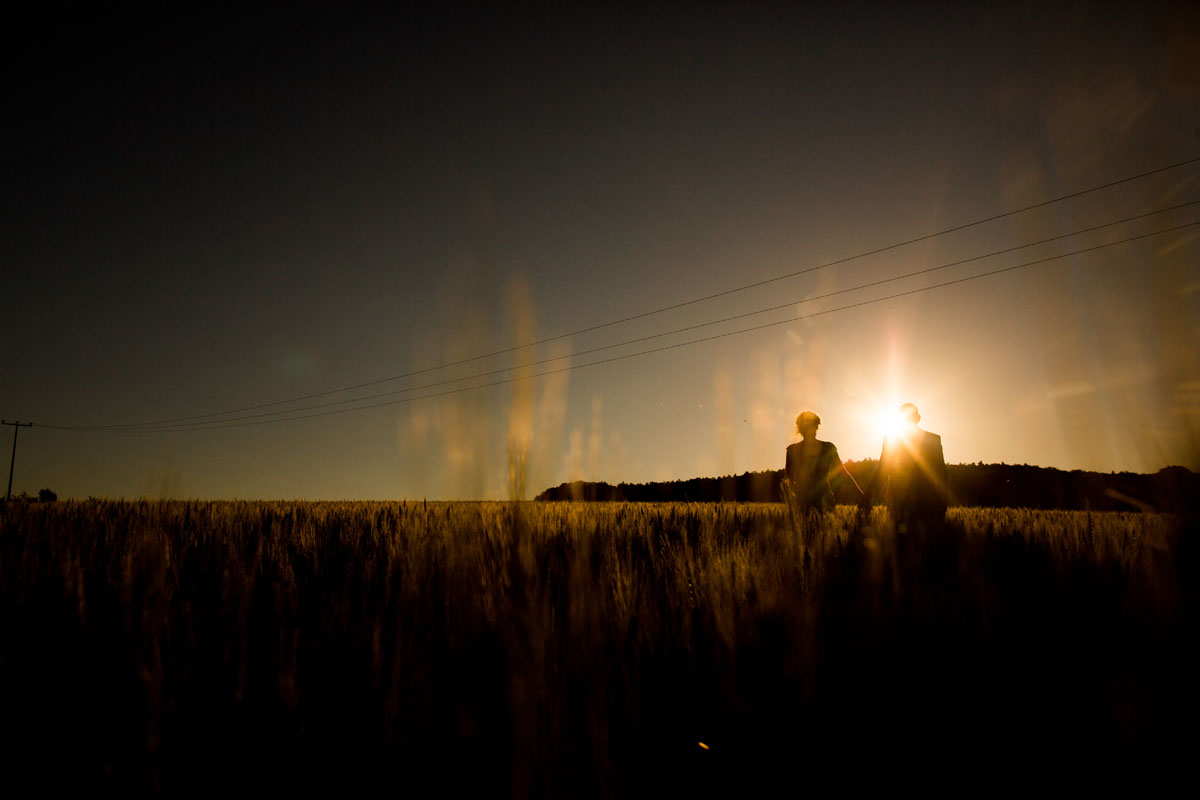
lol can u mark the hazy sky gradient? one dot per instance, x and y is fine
(210, 213)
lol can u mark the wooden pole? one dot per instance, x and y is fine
(13, 461)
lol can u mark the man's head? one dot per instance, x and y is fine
(908, 414)
(807, 424)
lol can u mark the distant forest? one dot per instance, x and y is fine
(987, 485)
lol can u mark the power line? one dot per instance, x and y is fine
(640, 339)
(664, 309)
(222, 424)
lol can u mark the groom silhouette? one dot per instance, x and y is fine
(911, 477)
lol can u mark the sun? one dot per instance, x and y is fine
(888, 422)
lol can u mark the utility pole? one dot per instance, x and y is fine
(16, 429)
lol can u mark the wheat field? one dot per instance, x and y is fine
(582, 650)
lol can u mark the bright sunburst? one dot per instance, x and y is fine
(888, 422)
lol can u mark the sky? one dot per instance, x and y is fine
(214, 211)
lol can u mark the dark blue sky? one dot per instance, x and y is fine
(228, 208)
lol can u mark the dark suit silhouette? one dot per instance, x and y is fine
(912, 475)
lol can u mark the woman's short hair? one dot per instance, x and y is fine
(805, 418)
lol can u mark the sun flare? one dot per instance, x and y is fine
(888, 422)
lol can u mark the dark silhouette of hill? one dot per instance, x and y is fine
(987, 485)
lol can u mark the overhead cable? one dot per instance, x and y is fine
(672, 307)
(650, 337)
(222, 424)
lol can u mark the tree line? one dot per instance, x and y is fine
(1175, 489)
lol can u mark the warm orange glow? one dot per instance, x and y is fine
(888, 422)
(703, 745)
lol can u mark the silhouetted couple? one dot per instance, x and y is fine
(910, 478)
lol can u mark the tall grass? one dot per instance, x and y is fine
(578, 650)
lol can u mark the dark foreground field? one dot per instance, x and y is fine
(555, 650)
